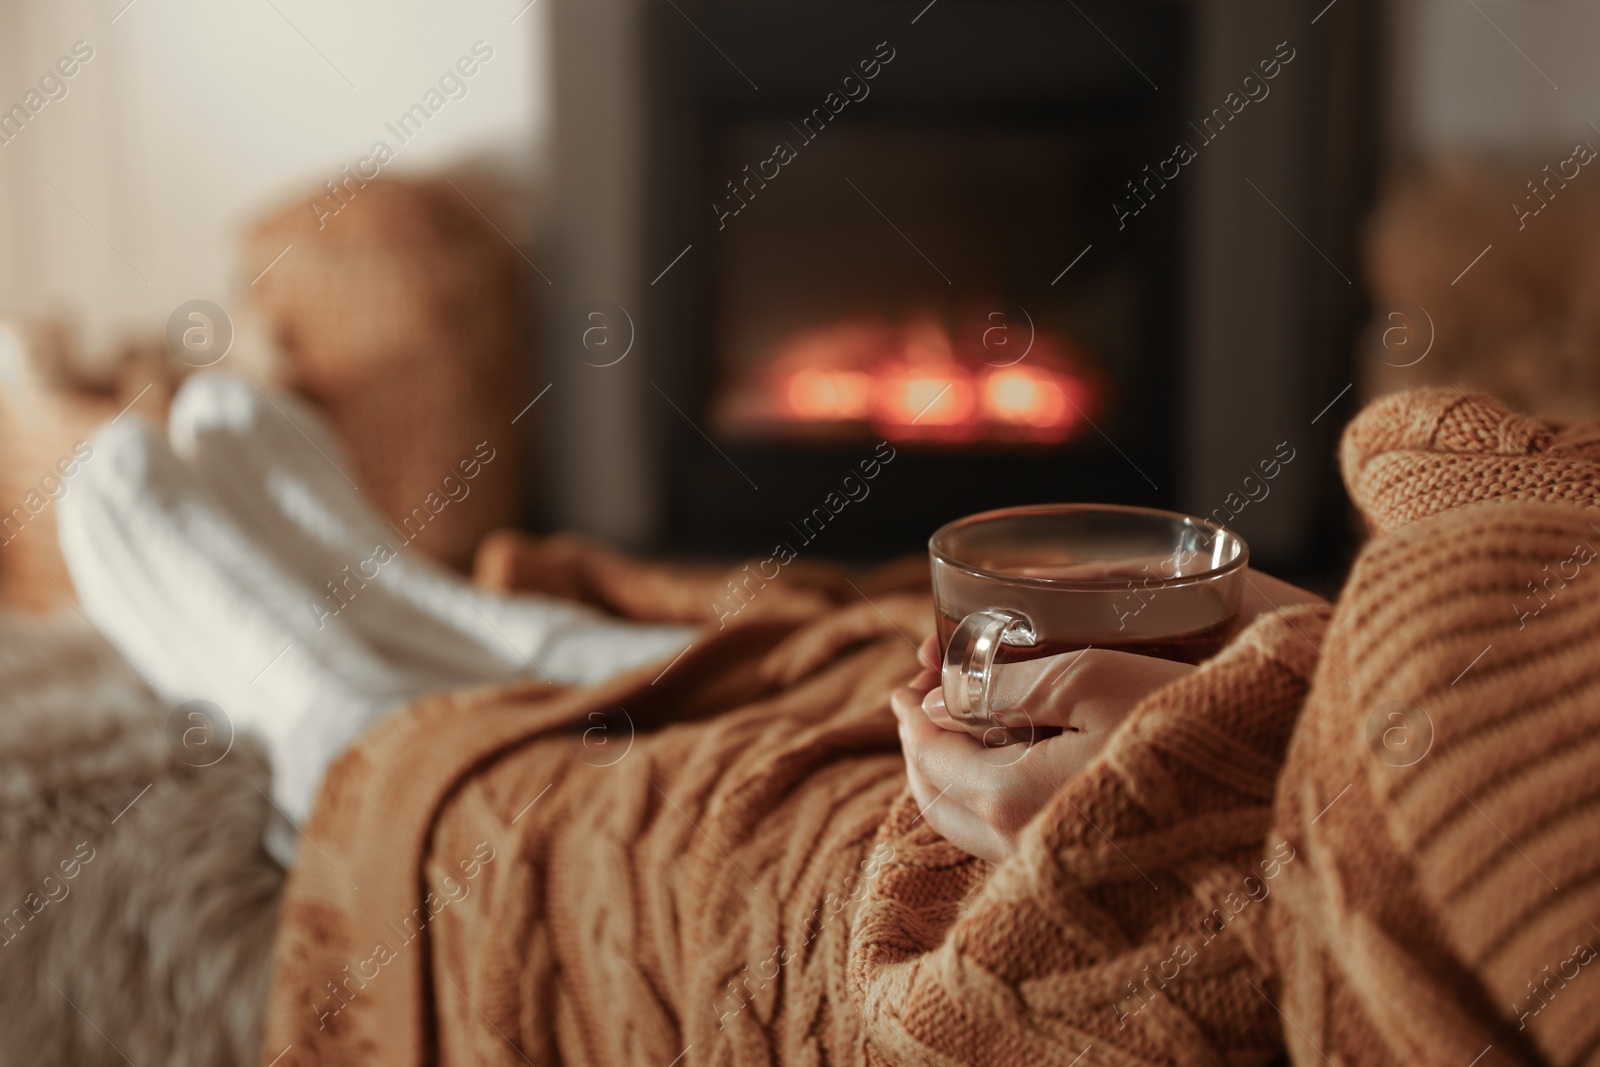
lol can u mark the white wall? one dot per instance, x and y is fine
(1495, 75)
(194, 116)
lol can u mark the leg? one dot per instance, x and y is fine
(277, 468)
(204, 610)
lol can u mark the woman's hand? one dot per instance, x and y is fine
(980, 792)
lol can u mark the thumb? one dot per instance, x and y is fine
(1091, 690)
(1040, 692)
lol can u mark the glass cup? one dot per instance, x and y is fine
(1024, 583)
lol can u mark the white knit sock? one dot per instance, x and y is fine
(204, 610)
(211, 577)
(282, 472)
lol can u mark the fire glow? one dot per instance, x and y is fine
(918, 383)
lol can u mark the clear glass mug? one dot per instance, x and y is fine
(1024, 583)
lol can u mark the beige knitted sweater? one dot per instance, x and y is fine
(1443, 787)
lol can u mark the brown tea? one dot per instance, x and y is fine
(1195, 647)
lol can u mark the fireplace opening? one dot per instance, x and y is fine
(916, 381)
(935, 264)
(897, 286)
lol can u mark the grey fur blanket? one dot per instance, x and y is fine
(137, 904)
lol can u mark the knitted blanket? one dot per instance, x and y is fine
(709, 860)
(715, 860)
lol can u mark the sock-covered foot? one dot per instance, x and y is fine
(276, 466)
(204, 610)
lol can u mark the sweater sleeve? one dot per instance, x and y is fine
(1130, 919)
(1414, 454)
(1446, 800)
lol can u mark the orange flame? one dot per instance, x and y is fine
(815, 393)
(916, 382)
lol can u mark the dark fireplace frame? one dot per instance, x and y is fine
(1259, 282)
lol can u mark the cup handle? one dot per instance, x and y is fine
(969, 667)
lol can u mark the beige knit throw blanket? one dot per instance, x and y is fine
(715, 861)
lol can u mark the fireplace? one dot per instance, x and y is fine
(830, 326)
(822, 226)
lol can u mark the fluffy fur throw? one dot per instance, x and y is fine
(137, 906)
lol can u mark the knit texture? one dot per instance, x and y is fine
(1349, 834)
(50, 405)
(1131, 920)
(717, 858)
(1441, 788)
(398, 317)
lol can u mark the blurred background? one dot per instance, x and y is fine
(688, 263)
(715, 281)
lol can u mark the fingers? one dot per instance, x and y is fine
(1044, 691)
(970, 768)
(905, 699)
(928, 682)
(937, 765)
(913, 692)
(933, 706)
(980, 793)
(1091, 690)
